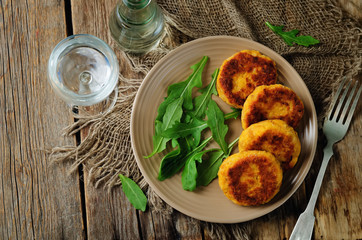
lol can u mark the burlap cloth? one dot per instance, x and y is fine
(107, 151)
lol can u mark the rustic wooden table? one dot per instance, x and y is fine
(38, 200)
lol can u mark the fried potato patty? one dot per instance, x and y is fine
(274, 136)
(272, 102)
(250, 178)
(241, 73)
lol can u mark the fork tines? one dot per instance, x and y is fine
(345, 113)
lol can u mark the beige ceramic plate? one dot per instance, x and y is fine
(209, 203)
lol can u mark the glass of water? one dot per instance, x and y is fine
(83, 71)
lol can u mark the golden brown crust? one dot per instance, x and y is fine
(274, 136)
(272, 102)
(241, 73)
(250, 178)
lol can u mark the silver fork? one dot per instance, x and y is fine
(334, 128)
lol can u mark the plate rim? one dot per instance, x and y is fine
(147, 78)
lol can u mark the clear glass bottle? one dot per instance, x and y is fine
(137, 25)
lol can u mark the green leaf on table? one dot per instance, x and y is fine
(215, 120)
(134, 193)
(290, 37)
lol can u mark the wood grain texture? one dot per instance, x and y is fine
(98, 201)
(112, 207)
(339, 207)
(108, 215)
(120, 220)
(38, 200)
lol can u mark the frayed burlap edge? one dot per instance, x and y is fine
(351, 70)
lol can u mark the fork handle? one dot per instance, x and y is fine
(304, 227)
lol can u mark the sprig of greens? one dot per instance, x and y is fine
(134, 193)
(201, 102)
(215, 120)
(171, 109)
(180, 129)
(202, 174)
(182, 118)
(189, 174)
(170, 165)
(194, 127)
(290, 37)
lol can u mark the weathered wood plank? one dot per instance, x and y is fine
(155, 225)
(338, 210)
(279, 223)
(109, 215)
(163, 227)
(92, 17)
(37, 200)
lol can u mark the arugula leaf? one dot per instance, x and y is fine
(208, 169)
(173, 114)
(194, 127)
(191, 123)
(174, 143)
(170, 110)
(180, 120)
(184, 129)
(202, 101)
(215, 120)
(171, 165)
(189, 174)
(194, 80)
(290, 37)
(183, 89)
(134, 193)
(234, 114)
